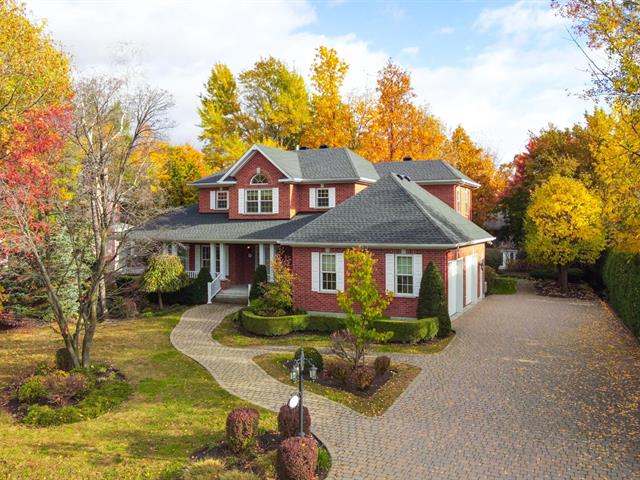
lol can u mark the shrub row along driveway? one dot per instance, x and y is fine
(531, 387)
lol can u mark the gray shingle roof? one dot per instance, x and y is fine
(213, 178)
(334, 163)
(424, 171)
(393, 211)
(188, 225)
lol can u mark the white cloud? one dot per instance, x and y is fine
(446, 30)
(412, 51)
(516, 84)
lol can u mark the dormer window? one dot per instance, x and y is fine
(259, 179)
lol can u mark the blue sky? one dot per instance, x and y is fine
(498, 68)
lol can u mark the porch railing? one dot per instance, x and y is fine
(214, 287)
(192, 274)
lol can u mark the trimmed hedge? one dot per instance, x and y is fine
(503, 286)
(621, 276)
(404, 331)
(409, 331)
(575, 275)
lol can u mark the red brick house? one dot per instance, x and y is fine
(311, 205)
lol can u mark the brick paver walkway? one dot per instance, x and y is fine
(531, 387)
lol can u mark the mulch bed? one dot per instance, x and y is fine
(8, 322)
(326, 380)
(580, 291)
(265, 443)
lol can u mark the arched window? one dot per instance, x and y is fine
(259, 179)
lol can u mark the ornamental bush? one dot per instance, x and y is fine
(381, 364)
(297, 458)
(289, 421)
(362, 377)
(493, 258)
(32, 391)
(242, 428)
(164, 273)
(311, 357)
(259, 279)
(338, 370)
(431, 299)
(409, 331)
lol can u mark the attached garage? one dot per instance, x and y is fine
(455, 286)
(471, 279)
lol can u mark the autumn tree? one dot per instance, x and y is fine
(222, 121)
(395, 126)
(331, 119)
(478, 164)
(564, 225)
(276, 103)
(362, 303)
(163, 274)
(172, 168)
(34, 72)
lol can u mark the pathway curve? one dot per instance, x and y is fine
(531, 387)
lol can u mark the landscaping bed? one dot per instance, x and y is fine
(550, 288)
(373, 401)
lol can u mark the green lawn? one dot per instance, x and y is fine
(176, 408)
(377, 404)
(232, 335)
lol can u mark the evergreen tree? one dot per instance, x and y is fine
(431, 300)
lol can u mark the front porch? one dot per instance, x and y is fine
(231, 265)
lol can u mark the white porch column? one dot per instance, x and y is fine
(212, 259)
(272, 255)
(165, 248)
(223, 259)
(196, 261)
(261, 254)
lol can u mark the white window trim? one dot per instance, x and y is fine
(217, 204)
(395, 276)
(320, 272)
(318, 190)
(274, 199)
(262, 175)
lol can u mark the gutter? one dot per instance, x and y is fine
(415, 246)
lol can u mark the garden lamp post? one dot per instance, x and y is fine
(297, 399)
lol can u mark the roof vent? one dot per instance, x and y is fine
(407, 159)
(324, 145)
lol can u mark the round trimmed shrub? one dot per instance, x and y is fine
(362, 377)
(32, 391)
(381, 364)
(259, 278)
(311, 357)
(242, 428)
(63, 360)
(339, 370)
(297, 458)
(289, 421)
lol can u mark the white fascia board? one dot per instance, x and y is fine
(326, 180)
(249, 153)
(458, 181)
(413, 246)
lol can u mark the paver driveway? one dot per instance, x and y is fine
(531, 387)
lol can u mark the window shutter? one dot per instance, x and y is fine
(212, 199)
(315, 272)
(390, 272)
(340, 272)
(276, 200)
(332, 197)
(312, 198)
(417, 273)
(241, 200)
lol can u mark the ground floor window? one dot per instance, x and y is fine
(404, 274)
(328, 272)
(217, 258)
(205, 257)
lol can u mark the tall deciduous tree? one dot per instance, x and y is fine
(276, 102)
(34, 72)
(395, 127)
(222, 121)
(564, 225)
(332, 121)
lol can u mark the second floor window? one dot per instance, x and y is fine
(259, 179)
(222, 200)
(322, 198)
(259, 201)
(467, 201)
(458, 204)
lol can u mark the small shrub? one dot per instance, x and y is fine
(204, 470)
(259, 279)
(339, 370)
(489, 277)
(381, 364)
(237, 475)
(362, 377)
(45, 416)
(504, 286)
(297, 458)
(311, 357)
(62, 387)
(129, 308)
(278, 294)
(104, 397)
(289, 421)
(32, 391)
(242, 428)
(324, 460)
(63, 360)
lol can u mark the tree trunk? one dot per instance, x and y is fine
(563, 277)
(160, 300)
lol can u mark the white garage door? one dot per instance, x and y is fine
(455, 272)
(471, 274)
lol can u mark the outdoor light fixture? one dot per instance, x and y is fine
(297, 374)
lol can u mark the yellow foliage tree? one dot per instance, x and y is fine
(332, 121)
(564, 225)
(394, 126)
(34, 72)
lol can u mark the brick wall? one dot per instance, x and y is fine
(447, 193)
(343, 192)
(204, 200)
